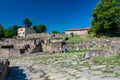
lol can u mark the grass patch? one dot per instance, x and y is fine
(97, 69)
(107, 71)
(85, 63)
(75, 76)
(91, 46)
(78, 69)
(117, 74)
(77, 38)
(98, 60)
(53, 58)
(114, 60)
(74, 51)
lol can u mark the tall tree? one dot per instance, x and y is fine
(39, 28)
(55, 32)
(27, 22)
(11, 31)
(8, 33)
(15, 29)
(106, 17)
(1, 31)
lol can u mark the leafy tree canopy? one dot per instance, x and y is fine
(1, 31)
(106, 17)
(27, 22)
(55, 32)
(39, 28)
(11, 31)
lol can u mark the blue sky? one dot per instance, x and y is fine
(55, 14)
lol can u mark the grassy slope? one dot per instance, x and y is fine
(77, 38)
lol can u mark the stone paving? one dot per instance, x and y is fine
(56, 67)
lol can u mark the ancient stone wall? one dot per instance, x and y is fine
(77, 46)
(10, 52)
(3, 68)
(103, 48)
(20, 46)
(4, 52)
(35, 35)
(32, 45)
(53, 46)
(49, 43)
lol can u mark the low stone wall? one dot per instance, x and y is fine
(20, 46)
(10, 52)
(4, 52)
(96, 53)
(77, 46)
(16, 52)
(3, 68)
(103, 48)
(53, 47)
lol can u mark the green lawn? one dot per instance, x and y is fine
(79, 38)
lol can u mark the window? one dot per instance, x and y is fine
(21, 29)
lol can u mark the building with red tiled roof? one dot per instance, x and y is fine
(77, 31)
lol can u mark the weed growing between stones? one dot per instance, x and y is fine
(74, 64)
(117, 74)
(107, 71)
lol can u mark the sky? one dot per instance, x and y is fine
(55, 14)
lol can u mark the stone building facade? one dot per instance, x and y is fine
(77, 31)
(24, 31)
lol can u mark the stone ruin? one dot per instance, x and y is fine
(55, 43)
(16, 47)
(97, 47)
(3, 68)
(19, 46)
(77, 46)
(103, 48)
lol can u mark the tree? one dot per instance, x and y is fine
(27, 22)
(11, 31)
(15, 29)
(8, 33)
(106, 17)
(39, 28)
(55, 32)
(72, 34)
(1, 31)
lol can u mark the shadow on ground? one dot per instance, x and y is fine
(15, 73)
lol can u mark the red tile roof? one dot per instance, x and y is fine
(77, 29)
